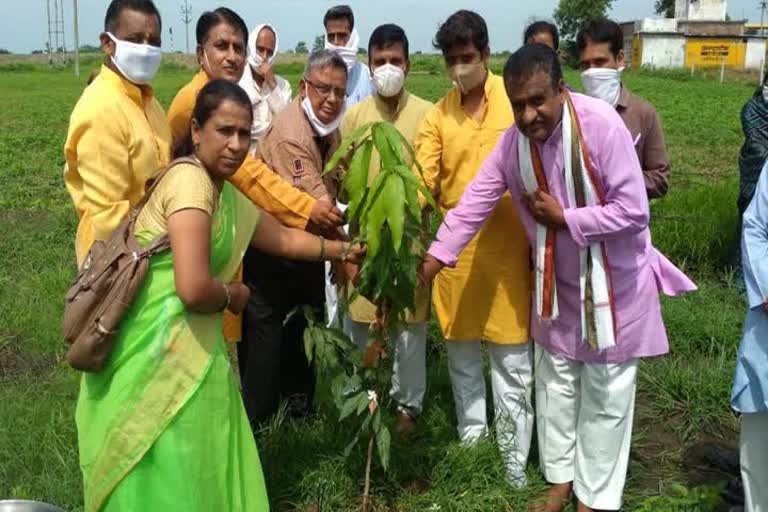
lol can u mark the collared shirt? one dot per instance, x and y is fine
(254, 179)
(638, 271)
(643, 123)
(118, 138)
(750, 384)
(407, 118)
(298, 155)
(359, 84)
(487, 295)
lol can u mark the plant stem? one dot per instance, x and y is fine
(368, 471)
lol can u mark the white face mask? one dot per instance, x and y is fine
(389, 80)
(138, 63)
(321, 128)
(603, 83)
(254, 59)
(348, 52)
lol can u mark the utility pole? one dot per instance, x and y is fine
(763, 6)
(77, 40)
(186, 18)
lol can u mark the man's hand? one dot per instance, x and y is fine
(428, 270)
(238, 297)
(545, 209)
(266, 72)
(324, 216)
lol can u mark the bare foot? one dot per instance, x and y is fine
(405, 424)
(556, 499)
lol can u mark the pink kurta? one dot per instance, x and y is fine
(639, 272)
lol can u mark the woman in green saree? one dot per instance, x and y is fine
(162, 427)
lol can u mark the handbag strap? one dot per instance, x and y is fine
(162, 242)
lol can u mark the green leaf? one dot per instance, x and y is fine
(398, 140)
(412, 200)
(344, 148)
(377, 421)
(309, 342)
(388, 156)
(365, 425)
(350, 446)
(362, 403)
(383, 442)
(408, 176)
(349, 406)
(356, 178)
(393, 197)
(374, 224)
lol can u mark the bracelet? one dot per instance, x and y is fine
(229, 296)
(322, 249)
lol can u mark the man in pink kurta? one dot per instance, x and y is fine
(585, 397)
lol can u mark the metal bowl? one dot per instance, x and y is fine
(27, 506)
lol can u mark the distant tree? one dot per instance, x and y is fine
(301, 47)
(665, 8)
(37, 52)
(4, 51)
(319, 43)
(570, 15)
(362, 51)
(89, 48)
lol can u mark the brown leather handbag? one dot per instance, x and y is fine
(106, 286)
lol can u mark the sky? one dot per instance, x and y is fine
(23, 26)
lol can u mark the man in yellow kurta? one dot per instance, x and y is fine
(389, 63)
(486, 298)
(118, 136)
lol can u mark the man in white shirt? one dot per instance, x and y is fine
(268, 92)
(342, 38)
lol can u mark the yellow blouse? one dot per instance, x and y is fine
(118, 138)
(184, 186)
(487, 295)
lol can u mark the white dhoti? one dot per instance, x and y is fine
(584, 416)
(754, 461)
(409, 372)
(512, 383)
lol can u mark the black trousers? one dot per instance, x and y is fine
(271, 358)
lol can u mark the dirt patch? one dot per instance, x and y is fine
(16, 363)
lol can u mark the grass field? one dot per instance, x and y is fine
(683, 398)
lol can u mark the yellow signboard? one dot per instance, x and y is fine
(708, 52)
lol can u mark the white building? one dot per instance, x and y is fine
(700, 10)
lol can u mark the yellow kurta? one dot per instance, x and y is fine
(408, 117)
(487, 296)
(118, 138)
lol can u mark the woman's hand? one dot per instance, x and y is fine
(355, 254)
(238, 297)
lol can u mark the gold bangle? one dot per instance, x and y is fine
(322, 249)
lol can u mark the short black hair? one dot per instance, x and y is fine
(210, 19)
(462, 27)
(601, 30)
(531, 58)
(542, 26)
(387, 35)
(340, 12)
(118, 6)
(208, 100)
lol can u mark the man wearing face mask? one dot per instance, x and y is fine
(342, 38)
(485, 299)
(301, 140)
(601, 58)
(569, 164)
(269, 93)
(118, 136)
(390, 64)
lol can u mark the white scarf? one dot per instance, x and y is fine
(593, 264)
(347, 52)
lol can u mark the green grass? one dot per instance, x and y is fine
(683, 397)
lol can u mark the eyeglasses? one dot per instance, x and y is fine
(325, 90)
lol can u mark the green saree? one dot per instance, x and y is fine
(163, 427)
